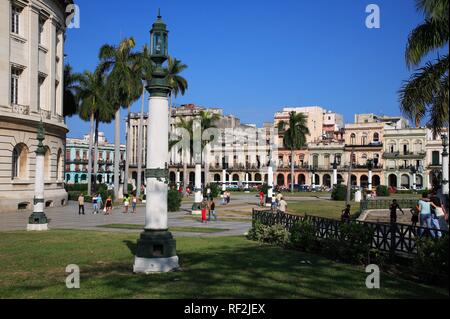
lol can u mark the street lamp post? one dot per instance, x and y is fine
(313, 176)
(335, 173)
(270, 198)
(156, 248)
(445, 164)
(413, 170)
(370, 167)
(38, 220)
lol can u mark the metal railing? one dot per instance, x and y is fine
(394, 238)
(385, 203)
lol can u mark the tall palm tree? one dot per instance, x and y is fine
(207, 120)
(70, 94)
(294, 136)
(124, 87)
(146, 70)
(426, 93)
(178, 84)
(92, 101)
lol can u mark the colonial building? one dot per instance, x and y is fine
(77, 150)
(31, 90)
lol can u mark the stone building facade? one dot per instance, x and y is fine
(31, 90)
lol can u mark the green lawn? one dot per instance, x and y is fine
(322, 208)
(173, 229)
(33, 266)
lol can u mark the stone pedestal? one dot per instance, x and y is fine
(156, 252)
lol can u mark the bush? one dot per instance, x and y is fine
(215, 189)
(303, 236)
(339, 193)
(276, 234)
(173, 200)
(431, 262)
(355, 242)
(383, 190)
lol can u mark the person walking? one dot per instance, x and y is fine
(134, 203)
(424, 207)
(438, 218)
(203, 208)
(81, 204)
(414, 217)
(393, 211)
(345, 217)
(99, 202)
(108, 205)
(261, 198)
(212, 210)
(94, 205)
(126, 203)
(282, 204)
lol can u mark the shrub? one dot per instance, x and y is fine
(173, 200)
(339, 193)
(431, 262)
(303, 235)
(355, 242)
(276, 234)
(265, 189)
(382, 190)
(215, 189)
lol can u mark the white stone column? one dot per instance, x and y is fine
(246, 183)
(414, 181)
(198, 183)
(5, 68)
(33, 55)
(370, 180)
(224, 180)
(158, 148)
(270, 184)
(52, 63)
(335, 181)
(177, 179)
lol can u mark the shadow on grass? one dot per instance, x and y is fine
(218, 268)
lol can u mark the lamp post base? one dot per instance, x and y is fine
(37, 222)
(156, 252)
(37, 227)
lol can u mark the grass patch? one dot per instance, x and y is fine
(33, 266)
(322, 208)
(173, 229)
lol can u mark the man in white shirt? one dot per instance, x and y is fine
(282, 205)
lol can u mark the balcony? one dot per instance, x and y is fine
(364, 146)
(404, 155)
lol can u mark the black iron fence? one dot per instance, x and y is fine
(385, 203)
(394, 238)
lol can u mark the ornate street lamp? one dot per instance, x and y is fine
(335, 181)
(312, 168)
(156, 248)
(445, 164)
(370, 168)
(38, 220)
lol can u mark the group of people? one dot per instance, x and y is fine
(208, 206)
(97, 204)
(277, 204)
(429, 213)
(225, 197)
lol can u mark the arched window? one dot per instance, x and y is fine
(19, 160)
(353, 139)
(364, 139)
(376, 137)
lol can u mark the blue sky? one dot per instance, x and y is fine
(252, 58)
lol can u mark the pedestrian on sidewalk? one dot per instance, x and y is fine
(212, 210)
(99, 202)
(81, 204)
(282, 205)
(134, 203)
(126, 203)
(94, 204)
(203, 208)
(108, 205)
(345, 217)
(261, 198)
(393, 211)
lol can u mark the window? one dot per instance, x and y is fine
(41, 91)
(364, 139)
(435, 158)
(41, 31)
(15, 76)
(15, 163)
(19, 162)
(376, 137)
(15, 14)
(353, 139)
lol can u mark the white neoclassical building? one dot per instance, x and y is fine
(31, 90)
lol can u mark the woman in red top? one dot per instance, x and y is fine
(261, 198)
(203, 207)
